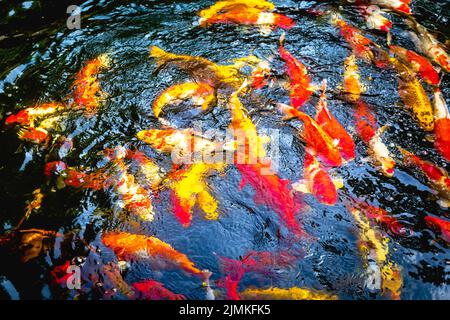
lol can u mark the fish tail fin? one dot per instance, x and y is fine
(161, 57)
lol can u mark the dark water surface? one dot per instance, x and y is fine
(37, 63)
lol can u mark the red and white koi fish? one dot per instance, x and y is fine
(366, 129)
(335, 130)
(317, 182)
(418, 64)
(395, 5)
(441, 125)
(317, 140)
(441, 224)
(261, 75)
(300, 82)
(375, 19)
(154, 290)
(437, 177)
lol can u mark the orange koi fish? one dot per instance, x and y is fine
(418, 64)
(441, 125)
(154, 290)
(293, 293)
(335, 130)
(272, 191)
(234, 5)
(317, 182)
(379, 215)
(373, 245)
(428, 45)
(28, 116)
(438, 178)
(395, 5)
(441, 224)
(300, 86)
(202, 70)
(35, 135)
(260, 75)
(128, 247)
(201, 94)
(190, 188)
(87, 92)
(352, 84)
(375, 19)
(319, 142)
(251, 16)
(366, 129)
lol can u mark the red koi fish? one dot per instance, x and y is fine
(251, 16)
(300, 86)
(154, 290)
(442, 224)
(129, 247)
(441, 125)
(319, 142)
(418, 64)
(438, 178)
(379, 215)
(271, 191)
(335, 130)
(317, 182)
(54, 167)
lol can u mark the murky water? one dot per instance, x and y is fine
(38, 63)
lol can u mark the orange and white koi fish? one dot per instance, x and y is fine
(300, 82)
(233, 5)
(437, 177)
(87, 92)
(366, 129)
(128, 247)
(428, 45)
(293, 293)
(373, 245)
(441, 224)
(154, 290)
(260, 75)
(441, 125)
(317, 140)
(29, 116)
(418, 64)
(202, 70)
(352, 84)
(201, 94)
(375, 19)
(380, 216)
(395, 5)
(35, 135)
(335, 130)
(317, 182)
(189, 187)
(251, 16)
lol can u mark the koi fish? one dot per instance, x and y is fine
(379, 215)
(87, 91)
(129, 247)
(317, 181)
(352, 84)
(190, 188)
(375, 19)
(366, 130)
(154, 290)
(147, 167)
(438, 178)
(34, 135)
(77, 179)
(319, 142)
(251, 16)
(234, 5)
(335, 130)
(300, 86)
(272, 191)
(111, 272)
(293, 293)
(260, 75)
(395, 5)
(29, 116)
(441, 125)
(202, 70)
(441, 224)
(373, 245)
(428, 45)
(201, 94)
(34, 204)
(54, 167)
(418, 64)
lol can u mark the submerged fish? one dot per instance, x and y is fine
(36, 135)
(154, 290)
(233, 5)
(293, 293)
(201, 94)
(441, 224)
(29, 116)
(352, 84)
(441, 124)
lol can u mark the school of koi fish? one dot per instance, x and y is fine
(133, 181)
